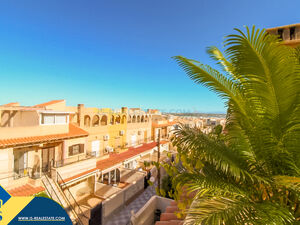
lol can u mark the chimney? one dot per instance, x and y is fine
(124, 110)
(80, 116)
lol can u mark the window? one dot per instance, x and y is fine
(48, 119)
(292, 33)
(76, 149)
(52, 119)
(60, 119)
(280, 33)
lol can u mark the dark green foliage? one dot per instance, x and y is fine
(167, 186)
(252, 174)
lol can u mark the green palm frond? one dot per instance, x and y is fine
(252, 174)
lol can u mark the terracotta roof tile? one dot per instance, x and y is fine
(115, 159)
(74, 132)
(12, 104)
(48, 103)
(25, 190)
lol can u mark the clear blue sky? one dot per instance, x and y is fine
(108, 53)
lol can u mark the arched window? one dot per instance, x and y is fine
(146, 118)
(104, 120)
(87, 121)
(112, 120)
(142, 119)
(95, 121)
(123, 119)
(118, 119)
(133, 119)
(138, 119)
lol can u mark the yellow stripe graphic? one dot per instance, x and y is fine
(12, 207)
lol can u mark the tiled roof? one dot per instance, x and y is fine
(78, 175)
(25, 190)
(11, 104)
(48, 103)
(119, 158)
(74, 132)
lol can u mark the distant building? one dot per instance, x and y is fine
(290, 34)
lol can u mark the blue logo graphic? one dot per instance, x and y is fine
(4, 197)
(0, 211)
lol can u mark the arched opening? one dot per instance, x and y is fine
(95, 121)
(123, 119)
(104, 120)
(112, 120)
(133, 119)
(142, 119)
(118, 119)
(146, 118)
(138, 119)
(87, 121)
(129, 119)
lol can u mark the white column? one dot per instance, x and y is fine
(115, 179)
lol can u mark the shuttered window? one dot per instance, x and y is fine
(76, 149)
(60, 119)
(48, 119)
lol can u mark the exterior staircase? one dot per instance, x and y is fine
(55, 192)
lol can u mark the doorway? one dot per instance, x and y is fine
(48, 158)
(20, 163)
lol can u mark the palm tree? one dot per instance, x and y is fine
(252, 175)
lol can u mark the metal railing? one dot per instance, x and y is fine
(60, 202)
(74, 159)
(27, 172)
(61, 183)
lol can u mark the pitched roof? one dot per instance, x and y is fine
(49, 103)
(115, 159)
(74, 132)
(25, 190)
(12, 104)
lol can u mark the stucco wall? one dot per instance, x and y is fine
(145, 216)
(16, 132)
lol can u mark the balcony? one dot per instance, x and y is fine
(75, 165)
(74, 159)
(21, 173)
(27, 172)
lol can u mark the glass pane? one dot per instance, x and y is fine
(61, 119)
(75, 149)
(48, 119)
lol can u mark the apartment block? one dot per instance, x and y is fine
(80, 156)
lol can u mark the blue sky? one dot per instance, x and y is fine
(118, 53)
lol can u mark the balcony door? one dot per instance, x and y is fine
(96, 148)
(20, 162)
(48, 158)
(133, 140)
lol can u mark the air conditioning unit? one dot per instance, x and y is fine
(121, 132)
(106, 137)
